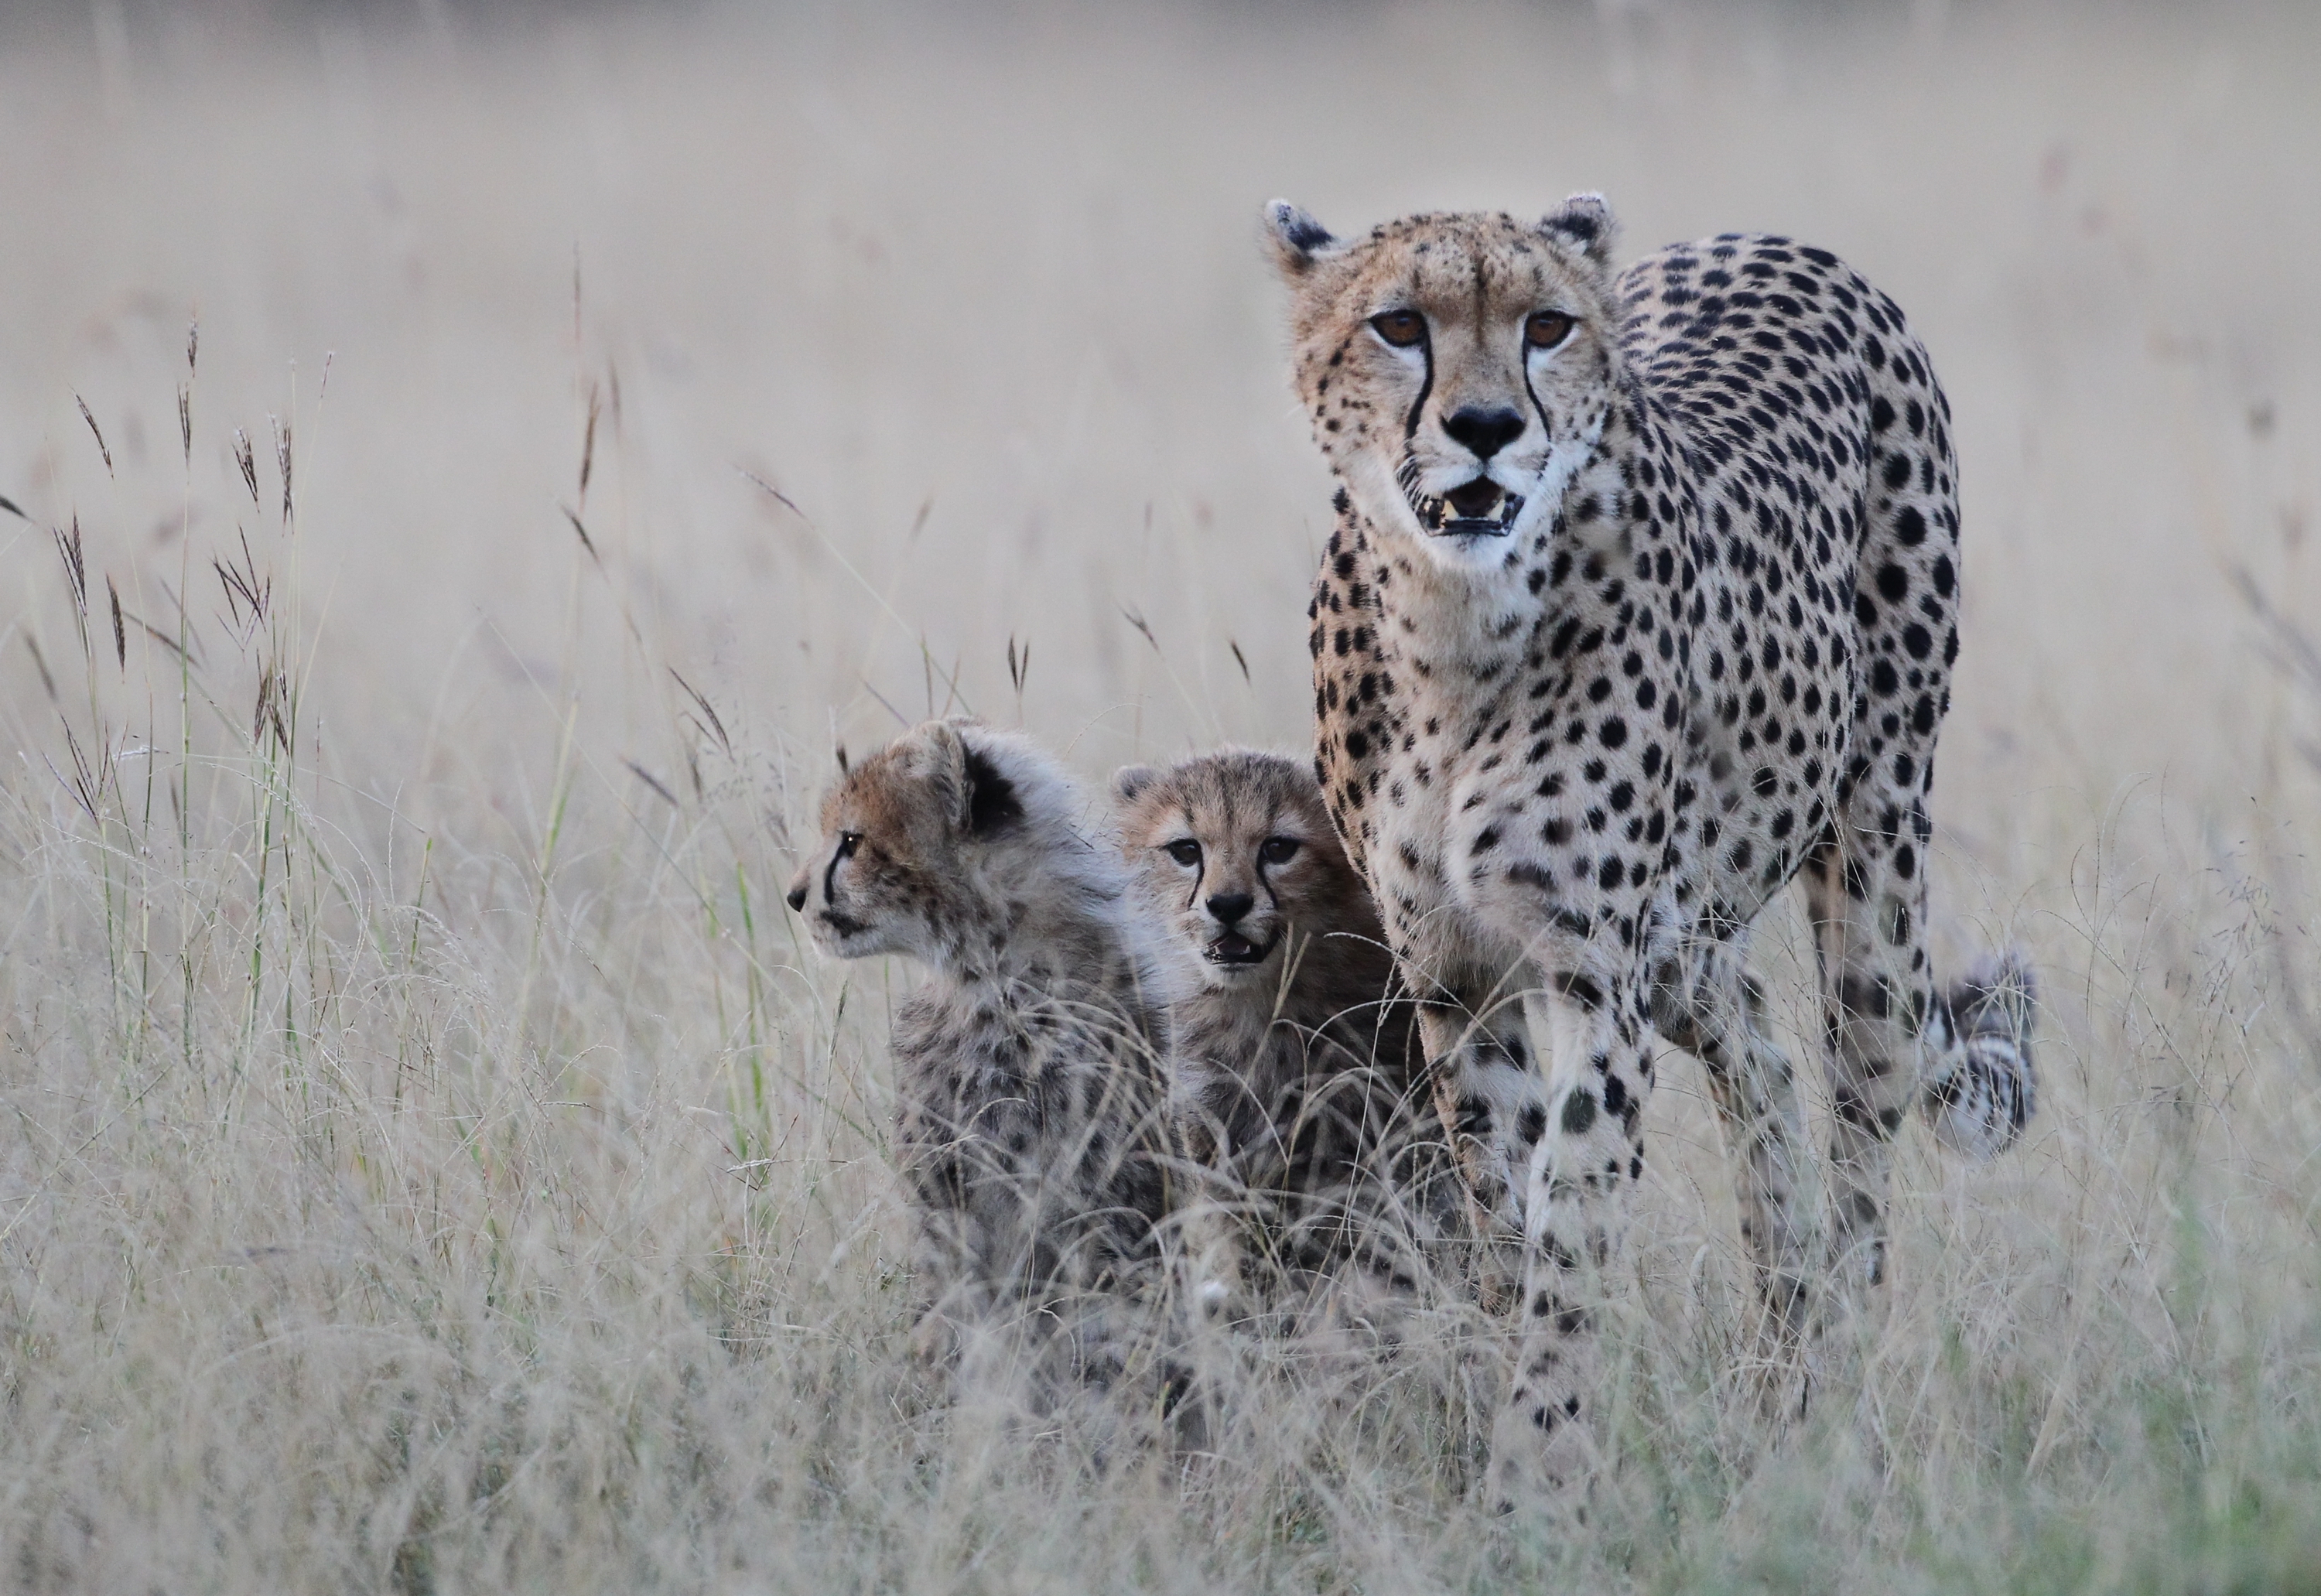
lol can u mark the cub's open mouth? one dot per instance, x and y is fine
(1480, 508)
(1233, 948)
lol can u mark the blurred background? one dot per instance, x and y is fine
(976, 289)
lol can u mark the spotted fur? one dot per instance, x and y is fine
(1294, 1059)
(1031, 1126)
(1286, 1041)
(1642, 602)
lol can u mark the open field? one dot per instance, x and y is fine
(430, 1159)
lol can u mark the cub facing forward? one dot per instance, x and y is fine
(1293, 1059)
(1032, 1115)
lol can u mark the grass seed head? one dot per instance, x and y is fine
(95, 431)
(281, 459)
(68, 550)
(242, 458)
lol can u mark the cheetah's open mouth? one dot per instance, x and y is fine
(1233, 948)
(1478, 508)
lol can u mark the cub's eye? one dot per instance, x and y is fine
(848, 841)
(1401, 328)
(1544, 329)
(1185, 851)
(1278, 850)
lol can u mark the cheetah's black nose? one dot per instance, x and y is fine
(797, 897)
(1230, 906)
(1485, 432)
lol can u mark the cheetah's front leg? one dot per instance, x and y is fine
(1479, 1069)
(1580, 1152)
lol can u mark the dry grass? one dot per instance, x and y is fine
(430, 1161)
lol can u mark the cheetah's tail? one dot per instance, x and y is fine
(1983, 1087)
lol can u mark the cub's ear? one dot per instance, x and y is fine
(972, 793)
(1295, 240)
(993, 805)
(934, 755)
(1129, 781)
(1584, 222)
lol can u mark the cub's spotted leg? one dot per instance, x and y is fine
(1581, 1153)
(1708, 1003)
(1209, 1208)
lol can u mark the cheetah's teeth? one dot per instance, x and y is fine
(1434, 514)
(1232, 948)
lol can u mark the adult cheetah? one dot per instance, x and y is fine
(1642, 602)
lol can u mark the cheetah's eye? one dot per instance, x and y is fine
(1544, 329)
(848, 841)
(1277, 850)
(1185, 851)
(1401, 328)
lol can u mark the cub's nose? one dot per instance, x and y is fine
(1230, 906)
(798, 894)
(1484, 432)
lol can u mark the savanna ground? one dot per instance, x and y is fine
(429, 1158)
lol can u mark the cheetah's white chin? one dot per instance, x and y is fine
(841, 937)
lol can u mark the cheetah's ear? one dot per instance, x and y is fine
(1129, 781)
(1584, 222)
(972, 792)
(992, 804)
(935, 753)
(1296, 238)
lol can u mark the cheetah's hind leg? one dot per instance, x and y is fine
(1878, 1008)
(1708, 1003)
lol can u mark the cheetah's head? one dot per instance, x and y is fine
(1234, 853)
(937, 844)
(1457, 367)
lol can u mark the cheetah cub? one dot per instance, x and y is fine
(1292, 1060)
(1032, 1118)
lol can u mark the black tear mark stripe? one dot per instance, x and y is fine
(1425, 387)
(1546, 426)
(829, 875)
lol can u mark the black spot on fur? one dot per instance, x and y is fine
(1616, 1097)
(1579, 1112)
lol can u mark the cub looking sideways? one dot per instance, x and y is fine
(1031, 1125)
